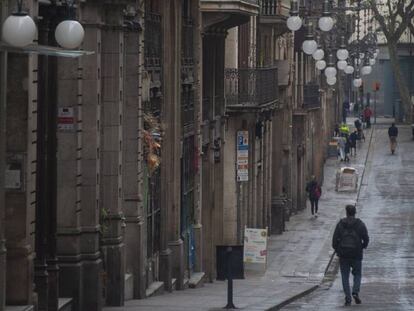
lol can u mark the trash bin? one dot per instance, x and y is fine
(277, 225)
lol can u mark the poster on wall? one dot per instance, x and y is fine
(242, 156)
(255, 245)
(65, 119)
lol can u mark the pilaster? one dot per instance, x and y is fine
(135, 247)
(19, 202)
(198, 70)
(3, 88)
(112, 151)
(171, 151)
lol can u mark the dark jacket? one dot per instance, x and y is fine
(359, 228)
(358, 124)
(311, 188)
(393, 131)
(353, 139)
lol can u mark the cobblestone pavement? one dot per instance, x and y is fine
(387, 207)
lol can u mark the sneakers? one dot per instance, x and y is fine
(316, 215)
(347, 303)
(356, 298)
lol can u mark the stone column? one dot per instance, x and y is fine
(89, 144)
(3, 99)
(198, 57)
(171, 151)
(113, 97)
(3, 88)
(135, 247)
(20, 159)
(277, 209)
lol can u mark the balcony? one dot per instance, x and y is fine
(228, 13)
(251, 88)
(274, 11)
(248, 7)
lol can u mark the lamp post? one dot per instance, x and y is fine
(56, 25)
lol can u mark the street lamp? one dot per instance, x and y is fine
(309, 46)
(320, 64)
(342, 53)
(349, 69)
(326, 22)
(330, 71)
(19, 28)
(342, 64)
(69, 33)
(294, 22)
(366, 69)
(318, 54)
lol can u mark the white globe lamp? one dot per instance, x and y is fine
(357, 82)
(309, 46)
(330, 72)
(349, 70)
(69, 34)
(326, 23)
(331, 80)
(318, 54)
(366, 70)
(19, 30)
(294, 23)
(320, 64)
(342, 54)
(341, 64)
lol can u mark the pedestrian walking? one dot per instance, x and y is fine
(336, 130)
(341, 147)
(345, 109)
(353, 141)
(315, 191)
(358, 126)
(393, 134)
(347, 148)
(367, 116)
(349, 240)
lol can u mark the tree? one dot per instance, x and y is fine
(395, 21)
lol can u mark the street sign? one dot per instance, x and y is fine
(242, 156)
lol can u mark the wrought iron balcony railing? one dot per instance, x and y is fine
(274, 8)
(250, 88)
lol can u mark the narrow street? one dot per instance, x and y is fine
(386, 205)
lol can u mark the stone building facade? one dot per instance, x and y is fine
(133, 194)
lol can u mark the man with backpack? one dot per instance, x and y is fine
(349, 240)
(315, 192)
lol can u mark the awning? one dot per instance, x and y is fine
(44, 50)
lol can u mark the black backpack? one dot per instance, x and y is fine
(350, 242)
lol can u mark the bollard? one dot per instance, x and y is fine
(230, 304)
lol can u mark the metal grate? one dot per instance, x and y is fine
(251, 86)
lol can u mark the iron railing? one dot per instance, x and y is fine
(274, 7)
(187, 72)
(250, 87)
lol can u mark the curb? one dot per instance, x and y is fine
(293, 298)
(331, 259)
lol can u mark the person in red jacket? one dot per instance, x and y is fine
(367, 116)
